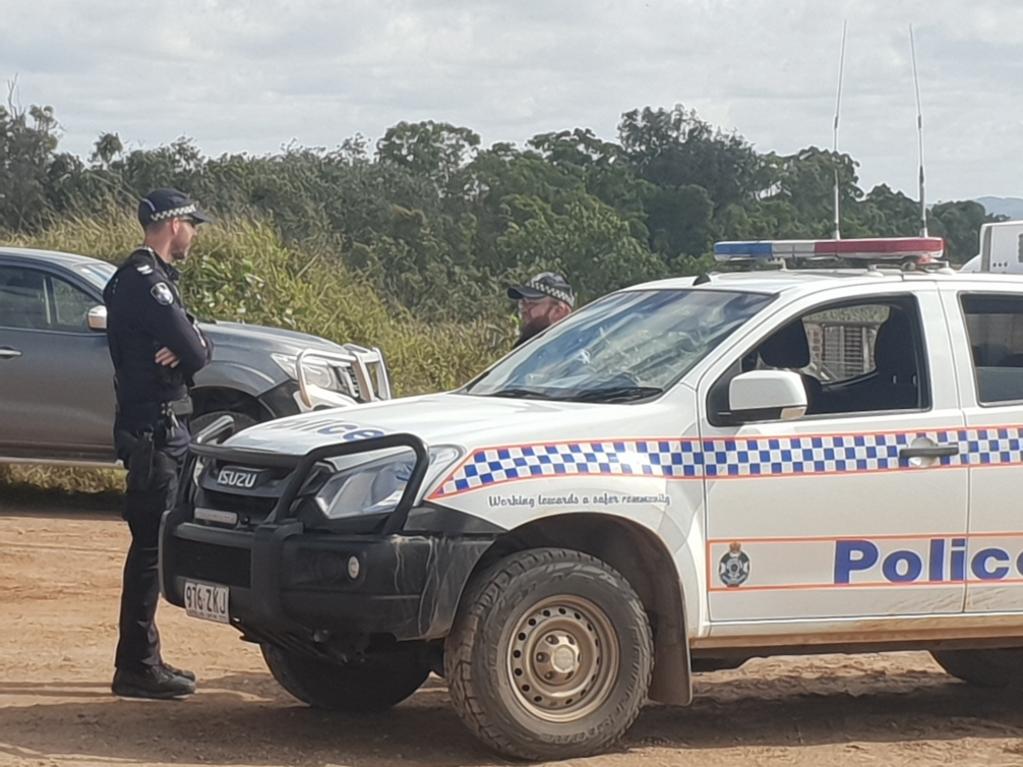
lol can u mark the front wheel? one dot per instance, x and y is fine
(362, 686)
(993, 668)
(550, 656)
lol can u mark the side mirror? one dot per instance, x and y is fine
(97, 318)
(766, 395)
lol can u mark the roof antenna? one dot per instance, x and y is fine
(920, 136)
(838, 104)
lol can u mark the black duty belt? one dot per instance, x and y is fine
(150, 411)
(178, 407)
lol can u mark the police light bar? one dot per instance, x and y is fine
(867, 249)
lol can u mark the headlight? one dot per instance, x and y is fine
(316, 373)
(376, 487)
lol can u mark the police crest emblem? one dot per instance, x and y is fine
(162, 293)
(733, 569)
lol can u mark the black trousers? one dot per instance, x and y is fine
(145, 502)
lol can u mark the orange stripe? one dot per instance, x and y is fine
(867, 536)
(882, 585)
(832, 586)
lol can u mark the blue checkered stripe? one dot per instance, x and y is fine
(630, 458)
(728, 457)
(996, 446)
(772, 456)
(843, 453)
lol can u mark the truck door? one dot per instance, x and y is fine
(56, 390)
(856, 509)
(987, 333)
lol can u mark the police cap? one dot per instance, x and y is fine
(549, 284)
(165, 204)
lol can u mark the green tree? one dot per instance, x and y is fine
(28, 141)
(674, 148)
(587, 241)
(436, 151)
(959, 224)
(107, 148)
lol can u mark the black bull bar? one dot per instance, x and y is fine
(206, 445)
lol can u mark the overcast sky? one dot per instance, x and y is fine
(254, 75)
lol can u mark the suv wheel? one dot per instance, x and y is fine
(996, 668)
(365, 686)
(550, 656)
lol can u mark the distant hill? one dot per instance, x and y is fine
(1003, 206)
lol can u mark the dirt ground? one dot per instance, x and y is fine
(59, 581)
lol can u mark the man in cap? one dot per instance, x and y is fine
(156, 348)
(544, 300)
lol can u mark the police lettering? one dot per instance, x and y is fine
(330, 427)
(946, 560)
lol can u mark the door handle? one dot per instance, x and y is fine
(928, 451)
(7, 353)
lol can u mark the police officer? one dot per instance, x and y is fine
(156, 348)
(544, 300)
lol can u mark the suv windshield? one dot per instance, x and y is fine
(98, 273)
(628, 346)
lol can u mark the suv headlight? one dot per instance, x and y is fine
(376, 487)
(316, 373)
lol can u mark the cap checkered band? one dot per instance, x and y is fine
(553, 292)
(174, 212)
(729, 457)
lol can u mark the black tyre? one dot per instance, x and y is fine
(996, 668)
(550, 656)
(200, 422)
(359, 687)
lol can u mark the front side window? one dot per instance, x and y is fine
(628, 346)
(853, 357)
(994, 324)
(70, 306)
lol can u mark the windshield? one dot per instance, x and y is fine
(628, 346)
(98, 274)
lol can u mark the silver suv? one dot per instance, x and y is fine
(56, 378)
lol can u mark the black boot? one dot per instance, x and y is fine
(189, 675)
(151, 682)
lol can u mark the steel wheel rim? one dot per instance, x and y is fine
(563, 657)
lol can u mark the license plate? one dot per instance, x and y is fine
(207, 601)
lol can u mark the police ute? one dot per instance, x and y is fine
(814, 448)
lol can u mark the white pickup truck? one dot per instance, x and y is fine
(678, 477)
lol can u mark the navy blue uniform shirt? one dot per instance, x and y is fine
(144, 314)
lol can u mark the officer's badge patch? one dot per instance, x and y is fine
(162, 294)
(733, 569)
(144, 269)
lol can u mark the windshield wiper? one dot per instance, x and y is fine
(615, 394)
(519, 394)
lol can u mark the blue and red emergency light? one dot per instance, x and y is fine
(920, 249)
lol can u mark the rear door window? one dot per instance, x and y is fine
(24, 302)
(994, 323)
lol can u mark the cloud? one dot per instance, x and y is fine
(255, 76)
